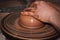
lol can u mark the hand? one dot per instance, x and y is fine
(46, 13)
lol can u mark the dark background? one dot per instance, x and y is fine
(15, 5)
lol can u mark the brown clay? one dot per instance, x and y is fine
(14, 30)
(30, 22)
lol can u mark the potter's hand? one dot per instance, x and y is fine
(46, 13)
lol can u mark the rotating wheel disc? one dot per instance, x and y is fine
(12, 27)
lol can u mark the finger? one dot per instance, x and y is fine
(29, 9)
(31, 13)
(27, 13)
(24, 13)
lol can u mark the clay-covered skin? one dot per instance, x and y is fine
(47, 12)
(30, 22)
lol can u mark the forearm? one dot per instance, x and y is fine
(55, 20)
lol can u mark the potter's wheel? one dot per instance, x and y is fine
(11, 26)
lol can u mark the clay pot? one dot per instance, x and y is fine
(30, 22)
